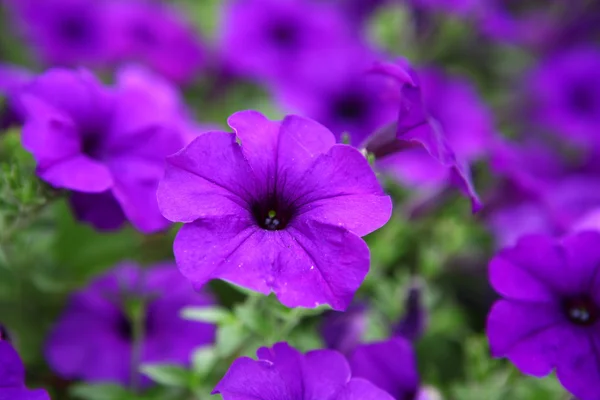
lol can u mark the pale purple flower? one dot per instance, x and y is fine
(106, 145)
(12, 377)
(94, 337)
(549, 318)
(277, 206)
(282, 372)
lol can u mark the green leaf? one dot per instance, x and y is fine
(203, 360)
(167, 375)
(214, 315)
(99, 392)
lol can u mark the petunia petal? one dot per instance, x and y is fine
(360, 389)
(209, 177)
(79, 173)
(341, 189)
(582, 252)
(12, 372)
(526, 333)
(325, 373)
(578, 367)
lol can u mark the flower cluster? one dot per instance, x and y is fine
(329, 223)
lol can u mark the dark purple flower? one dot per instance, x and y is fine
(12, 79)
(418, 131)
(550, 315)
(414, 321)
(282, 372)
(94, 338)
(343, 331)
(287, 40)
(106, 145)
(277, 206)
(12, 377)
(157, 35)
(457, 7)
(565, 90)
(64, 32)
(390, 365)
(4, 333)
(359, 11)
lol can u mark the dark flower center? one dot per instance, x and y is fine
(351, 107)
(74, 29)
(583, 99)
(272, 215)
(284, 34)
(581, 311)
(125, 327)
(91, 145)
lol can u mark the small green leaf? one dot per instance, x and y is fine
(99, 392)
(214, 315)
(203, 360)
(167, 375)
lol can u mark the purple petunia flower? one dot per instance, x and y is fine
(565, 90)
(12, 79)
(156, 35)
(390, 365)
(106, 145)
(550, 315)
(12, 377)
(343, 331)
(416, 130)
(94, 338)
(287, 39)
(277, 206)
(282, 372)
(415, 319)
(64, 32)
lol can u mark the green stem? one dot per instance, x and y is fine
(138, 322)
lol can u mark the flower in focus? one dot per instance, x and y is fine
(565, 90)
(418, 132)
(94, 339)
(12, 79)
(156, 35)
(282, 372)
(64, 32)
(550, 315)
(391, 365)
(277, 206)
(343, 331)
(106, 145)
(12, 377)
(287, 40)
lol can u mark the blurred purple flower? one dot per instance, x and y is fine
(12, 80)
(64, 32)
(550, 315)
(287, 40)
(414, 321)
(12, 377)
(350, 101)
(4, 333)
(359, 11)
(93, 340)
(457, 7)
(565, 90)
(390, 365)
(277, 206)
(106, 145)
(343, 331)
(417, 131)
(157, 35)
(282, 372)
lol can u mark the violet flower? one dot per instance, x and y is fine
(156, 35)
(64, 32)
(94, 338)
(565, 90)
(277, 206)
(287, 40)
(282, 372)
(343, 331)
(106, 145)
(549, 318)
(391, 365)
(12, 377)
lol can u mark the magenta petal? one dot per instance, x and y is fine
(341, 189)
(319, 264)
(249, 379)
(198, 179)
(79, 173)
(528, 334)
(578, 366)
(360, 389)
